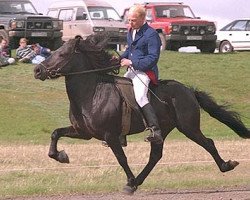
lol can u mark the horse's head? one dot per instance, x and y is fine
(53, 65)
(74, 56)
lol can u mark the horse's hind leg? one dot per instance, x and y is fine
(61, 156)
(208, 144)
(188, 122)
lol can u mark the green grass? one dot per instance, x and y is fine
(31, 109)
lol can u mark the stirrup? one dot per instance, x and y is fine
(154, 136)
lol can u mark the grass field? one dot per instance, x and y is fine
(30, 110)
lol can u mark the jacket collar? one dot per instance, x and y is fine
(139, 34)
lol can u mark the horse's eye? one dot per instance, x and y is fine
(61, 55)
(77, 50)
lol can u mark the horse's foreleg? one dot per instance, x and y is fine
(61, 156)
(155, 156)
(116, 147)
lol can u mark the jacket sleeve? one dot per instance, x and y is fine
(150, 55)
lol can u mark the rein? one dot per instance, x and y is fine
(54, 73)
(92, 70)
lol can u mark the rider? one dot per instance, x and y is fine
(141, 57)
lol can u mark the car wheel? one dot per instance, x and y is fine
(56, 43)
(208, 47)
(225, 47)
(163, 42)
(174, 46)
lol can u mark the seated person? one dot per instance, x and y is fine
(5, 50)
(5, 53)
(42, 51)
(26, 54)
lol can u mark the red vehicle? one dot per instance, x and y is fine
(178, 27)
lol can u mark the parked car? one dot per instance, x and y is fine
(178, 26)
(234, 37)
(82, 18)
(19, 18)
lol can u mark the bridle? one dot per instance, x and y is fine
(56, 72)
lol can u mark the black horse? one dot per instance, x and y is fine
(96, 106)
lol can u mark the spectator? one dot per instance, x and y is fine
(5, 53)
(42, 51)
(26, 54)
(4, 48)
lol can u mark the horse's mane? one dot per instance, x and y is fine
(94, 47)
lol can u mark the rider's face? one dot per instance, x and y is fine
(135, 20)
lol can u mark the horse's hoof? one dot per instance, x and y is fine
(229, 165)
(63, 157)
(233, 163)
(129, 190)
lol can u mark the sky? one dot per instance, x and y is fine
(219, 11)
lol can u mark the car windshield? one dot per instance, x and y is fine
(16, 7)
(174, 11)
(103, 13)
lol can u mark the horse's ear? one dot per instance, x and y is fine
(95, 42)
(102, 39)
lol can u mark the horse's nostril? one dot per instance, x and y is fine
(37, 72)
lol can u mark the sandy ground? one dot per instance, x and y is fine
(223, 194)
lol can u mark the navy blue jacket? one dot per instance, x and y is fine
(144, 51)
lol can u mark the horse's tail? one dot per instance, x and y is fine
(220, 112)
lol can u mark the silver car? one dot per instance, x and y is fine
(82, 18)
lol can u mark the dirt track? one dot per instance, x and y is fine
(222, 194)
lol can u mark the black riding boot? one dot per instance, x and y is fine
(152, 121)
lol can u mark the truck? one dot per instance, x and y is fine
(178, 26)
(82, 18)
(20, 19)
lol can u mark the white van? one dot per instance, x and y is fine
(85, 17)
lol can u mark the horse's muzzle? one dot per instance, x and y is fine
(40, 72)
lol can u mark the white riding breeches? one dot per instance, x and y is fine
(140, 82)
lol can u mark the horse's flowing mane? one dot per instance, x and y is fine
(95, 49)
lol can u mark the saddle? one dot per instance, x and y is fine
(129, 104)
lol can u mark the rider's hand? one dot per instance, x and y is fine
(126, 62)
